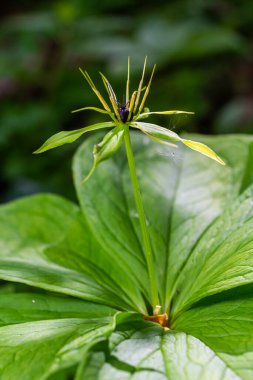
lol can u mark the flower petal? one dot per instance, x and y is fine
(100, 110)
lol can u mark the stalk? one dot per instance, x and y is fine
(143, 223)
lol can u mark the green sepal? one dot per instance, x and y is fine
(203, 149)
(67, 137)
(106, 148)
(160, 134)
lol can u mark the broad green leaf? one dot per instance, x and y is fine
(80, 251)
(223, 255)
(31, 230)
(106, 148)
(109, 219)
(28, 307)
(226, 327)
(147, 352)
(67, 137)
(66, 256)
(199, 215)
(48, 334)
(183, 195)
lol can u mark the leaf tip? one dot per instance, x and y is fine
(38, 151)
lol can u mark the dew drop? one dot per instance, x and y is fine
(134, 214)
(33, 301)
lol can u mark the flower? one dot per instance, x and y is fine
(123, 117)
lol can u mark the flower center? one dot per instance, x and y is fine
(123, 113)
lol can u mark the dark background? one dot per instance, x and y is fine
(203, 50)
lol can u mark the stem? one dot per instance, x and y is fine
(142, 219)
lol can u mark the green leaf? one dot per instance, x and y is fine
(226, 327)
(183, 195)
(110, 220)
(199, 217)
(28, 307)
(147, 352)
(224, 255)
(67, 137)
(48, 333)
(81, 252)
(33, 230)
(106, 148)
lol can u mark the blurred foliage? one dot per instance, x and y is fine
(203, 51)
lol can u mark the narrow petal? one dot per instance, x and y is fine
(128, 80)
(140, 85)
(111, 94)
(147, 91)
(94, 89)
(100, 110)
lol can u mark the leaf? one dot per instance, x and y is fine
(224, 255)
(226, 327)
(200, 219)
(147, 352)
(67, 137)
(109, 219)
(48, 333)
(32, 232)
(106, 148)
(183, 195)
(28, 307)
(80, 252)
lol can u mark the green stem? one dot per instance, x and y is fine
(142, 220)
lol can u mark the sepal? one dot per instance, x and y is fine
(106, 148)
(67, 137)
(159, 134)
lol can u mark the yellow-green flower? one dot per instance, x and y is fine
(124, 116)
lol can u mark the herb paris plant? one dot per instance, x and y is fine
(76, 284)
(125, 116)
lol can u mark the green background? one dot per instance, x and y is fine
(203, 52)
